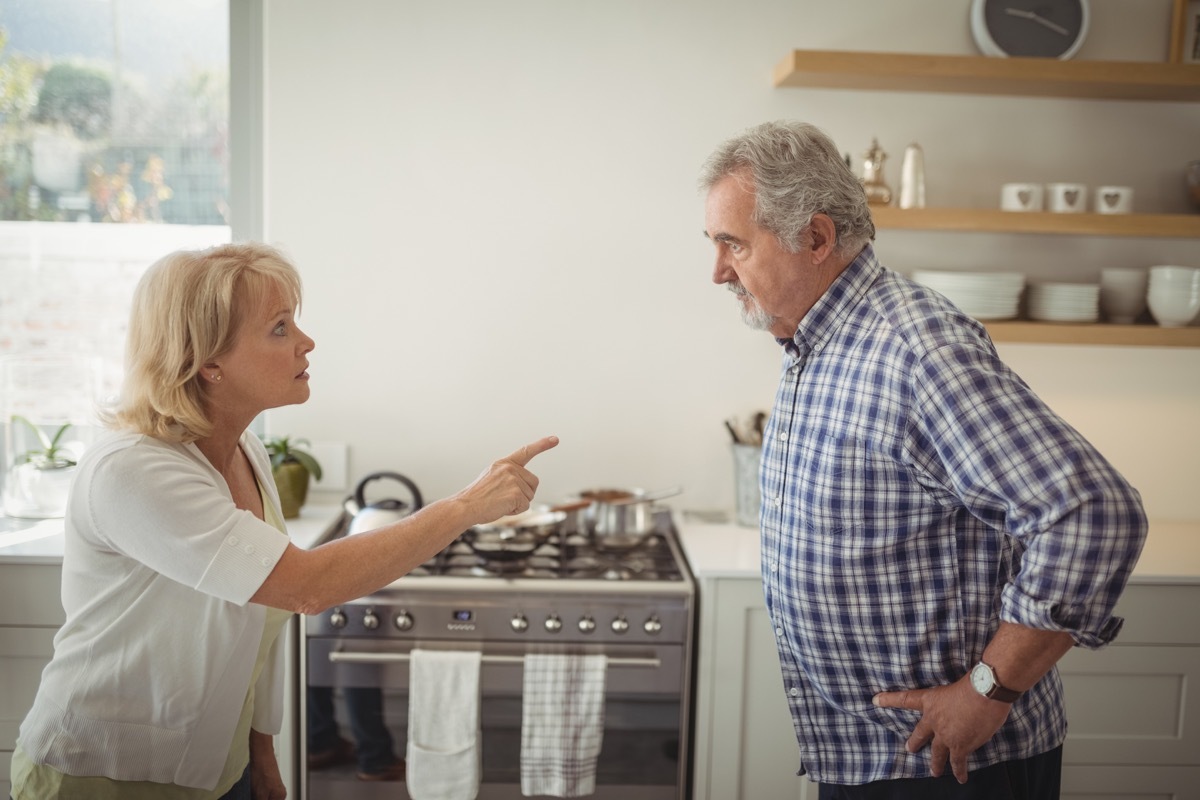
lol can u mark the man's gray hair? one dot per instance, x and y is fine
(797, 172)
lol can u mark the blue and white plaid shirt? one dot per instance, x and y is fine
(915, 493)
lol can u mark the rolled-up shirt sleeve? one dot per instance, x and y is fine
(1020, 468)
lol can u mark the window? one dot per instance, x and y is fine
(115, 149)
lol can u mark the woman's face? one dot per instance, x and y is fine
(267, 365)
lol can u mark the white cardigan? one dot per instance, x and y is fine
(151, 669)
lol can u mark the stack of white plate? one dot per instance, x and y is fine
(1064, 302)
(983, 295)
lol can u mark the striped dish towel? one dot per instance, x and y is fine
(562, 724)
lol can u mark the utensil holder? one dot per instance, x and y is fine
(747, 495)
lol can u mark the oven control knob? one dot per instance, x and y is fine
(620, 625)
(370, 621)
(337, 619)
(519, 623)
(403, 621)
(652, 626)
(586, 624)
(553, 624)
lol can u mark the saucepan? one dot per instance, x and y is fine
(514, 537)
(622, 520)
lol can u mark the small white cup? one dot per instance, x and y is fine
(1021, 197)
(1066, 198)
(1113, 200)
(1123, 294)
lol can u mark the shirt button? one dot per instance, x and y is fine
(782, 436)
(249, 549)
(774, 567)
(266, 562)
(795, 370)
(778, 502)
(232, 540)
(794, 692)
(779, 632)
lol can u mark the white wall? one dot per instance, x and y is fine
(495, 210)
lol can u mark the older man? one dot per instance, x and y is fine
(934, 537)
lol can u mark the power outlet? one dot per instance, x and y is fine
(332, 457)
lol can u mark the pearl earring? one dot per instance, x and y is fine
(217, 377)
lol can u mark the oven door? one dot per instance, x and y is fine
(644, 747)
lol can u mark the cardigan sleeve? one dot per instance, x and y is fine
(155, 503)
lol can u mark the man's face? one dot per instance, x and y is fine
(769, 281)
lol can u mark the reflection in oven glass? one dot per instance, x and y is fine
(640, 747)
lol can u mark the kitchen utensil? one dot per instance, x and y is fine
(1122, 294)
(368, 516)
(624, 523)
(912, 177)
(1066, 198)
(1022, 197)
(514, 537)
(1113, 200)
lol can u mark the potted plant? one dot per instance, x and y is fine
(40, 476)
(291, 466)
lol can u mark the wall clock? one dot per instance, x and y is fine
(1029, 28)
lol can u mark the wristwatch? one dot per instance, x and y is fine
(983, 678)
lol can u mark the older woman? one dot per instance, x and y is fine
(178, 576)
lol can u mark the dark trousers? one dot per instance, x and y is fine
(364, 707)
(1036, 778)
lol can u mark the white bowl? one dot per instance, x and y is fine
(1174, 276)
(1173, 308)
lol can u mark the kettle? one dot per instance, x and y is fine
(366, 517)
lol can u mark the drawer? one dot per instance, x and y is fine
(30, 594)
(24, 653)
(1159, 614)
(1132, 705)
(1130, 783)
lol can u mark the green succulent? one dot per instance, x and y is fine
(51, 455)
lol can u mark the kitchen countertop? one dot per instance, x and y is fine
(725, 550)
(41, 542)
(714, 550)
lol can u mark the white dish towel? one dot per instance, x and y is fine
(443, 725)
(562, 725)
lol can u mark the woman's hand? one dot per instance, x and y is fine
(265, 781)
(505, 487)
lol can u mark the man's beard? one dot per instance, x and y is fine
(752, 313)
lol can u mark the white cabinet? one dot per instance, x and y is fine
(745, 745)
(1132, 708)
(30, 614)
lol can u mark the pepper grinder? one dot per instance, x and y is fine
(912, 177)
(878, 192)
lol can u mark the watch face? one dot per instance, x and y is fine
(981, 679)
(1032, 28)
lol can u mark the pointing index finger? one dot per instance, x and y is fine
(524, 455)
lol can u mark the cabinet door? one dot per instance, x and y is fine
(1132, 705)
(30, 594)
(746, 747)
(1131, 783)
(24, 652)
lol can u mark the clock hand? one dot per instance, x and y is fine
(1016, 12)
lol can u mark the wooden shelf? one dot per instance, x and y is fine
(1108, 335)
(1027, 77)
(981, 220)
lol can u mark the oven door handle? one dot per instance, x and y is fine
(351, 657)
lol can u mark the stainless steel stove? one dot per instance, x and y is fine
(635, 606)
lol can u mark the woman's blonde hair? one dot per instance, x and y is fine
(187, 311)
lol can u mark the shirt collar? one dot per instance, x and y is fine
(833, 308)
